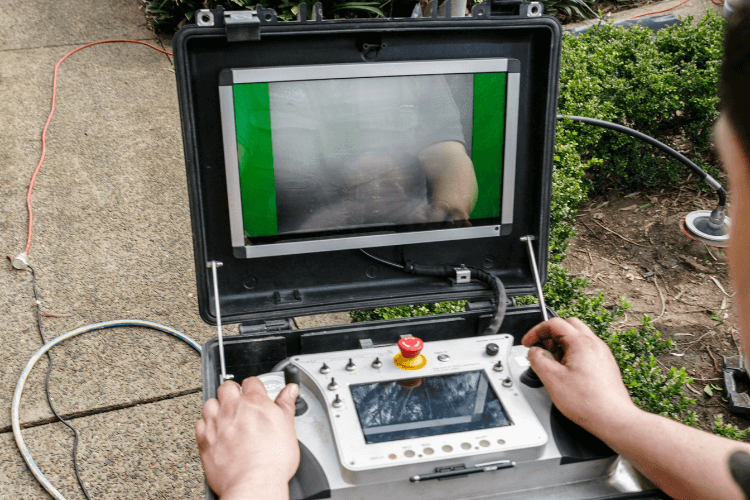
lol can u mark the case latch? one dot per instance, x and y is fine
(240, 25)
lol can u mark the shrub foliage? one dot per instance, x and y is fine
(664, 85)
(728, 430)
(408, 311)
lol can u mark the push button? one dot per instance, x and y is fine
(410, 358)
(410, 346)
(492, 349)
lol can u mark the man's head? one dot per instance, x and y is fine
(733, 140)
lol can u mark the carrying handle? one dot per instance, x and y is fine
(214, 265)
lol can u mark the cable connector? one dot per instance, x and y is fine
(463, 275)
(20, 261)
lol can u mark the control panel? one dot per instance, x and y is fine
(397, 406)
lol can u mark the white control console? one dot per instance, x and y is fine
(462, 403)
(383, 421)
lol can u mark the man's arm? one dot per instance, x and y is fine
(584, 382)
(451, 177)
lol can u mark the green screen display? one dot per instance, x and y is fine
(368, 154)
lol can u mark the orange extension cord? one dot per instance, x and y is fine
(49, 119)
(665, 10)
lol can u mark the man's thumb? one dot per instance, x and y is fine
(287, 398)
(543, 363)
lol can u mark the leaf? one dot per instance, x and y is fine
(363, 6)
(708, 390)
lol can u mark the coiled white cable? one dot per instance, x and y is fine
(49, 345)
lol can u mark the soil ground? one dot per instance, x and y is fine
(622, 239)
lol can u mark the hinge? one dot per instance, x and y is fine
(262, 327)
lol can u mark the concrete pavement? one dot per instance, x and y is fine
(695, 8)
(111, 240)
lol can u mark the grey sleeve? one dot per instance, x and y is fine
(439, 112)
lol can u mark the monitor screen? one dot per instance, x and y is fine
(317, 158)
(428, 406)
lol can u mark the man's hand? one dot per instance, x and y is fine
(247, 442)
(583, 378)
(579, 372)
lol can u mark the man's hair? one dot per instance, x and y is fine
(734, 89)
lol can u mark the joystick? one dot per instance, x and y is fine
(291, 376)
(530, 378)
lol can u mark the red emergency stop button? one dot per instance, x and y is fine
(410, 347)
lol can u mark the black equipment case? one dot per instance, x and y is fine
(263, 294)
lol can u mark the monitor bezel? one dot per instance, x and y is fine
(366, 70)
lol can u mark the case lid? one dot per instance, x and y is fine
(276, 194)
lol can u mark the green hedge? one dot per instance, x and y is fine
(664, 85)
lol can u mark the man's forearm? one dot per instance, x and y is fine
(451, 175)
(682, 461)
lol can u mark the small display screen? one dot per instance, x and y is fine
(428, 406)
(362, 155)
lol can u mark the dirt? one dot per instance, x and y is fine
(624, 237)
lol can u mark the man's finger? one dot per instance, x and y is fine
(544, 365)
(228, 391)
(580, 326)
(555, 329)
(210, 410)
(287, 398)
(253, 386)
(200, 431)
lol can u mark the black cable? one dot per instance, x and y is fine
(46, 386)
(492, 281)
(382, 261)
(659, 145)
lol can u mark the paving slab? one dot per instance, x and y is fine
(145, 452)
(43, 24)
(331, 319)
(112, 235)
(695, 8)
